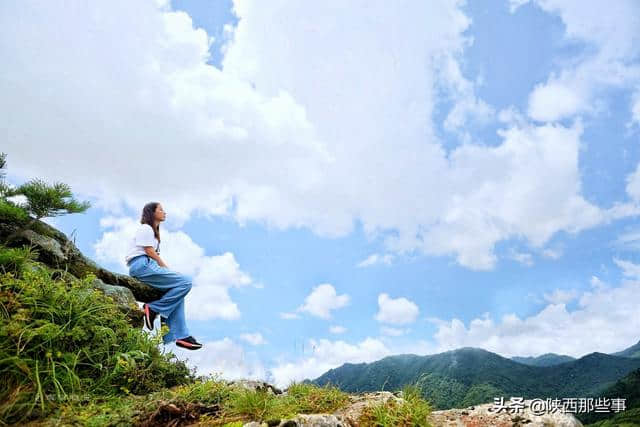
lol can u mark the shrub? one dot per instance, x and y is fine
(412, 412)
(61, 340)
(309, 399)
(11, 212)
(15, 260)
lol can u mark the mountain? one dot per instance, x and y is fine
(627, 388)
(548, 359)
(633, 351)
(469, 376)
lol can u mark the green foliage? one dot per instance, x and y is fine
(15, 260)
(257, 405)
(262, 405)
(627, 388)
(412, 412)
(10, 212)
(309, 399)
(455, 378)
(44, 200)
(62, 340)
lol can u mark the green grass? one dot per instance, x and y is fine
(229, 406)
(412, 412)
(63, 341)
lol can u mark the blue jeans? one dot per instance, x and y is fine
(171, 305)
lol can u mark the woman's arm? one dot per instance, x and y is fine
(153, 254)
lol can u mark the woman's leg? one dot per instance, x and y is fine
(171, 305)
(177, 325)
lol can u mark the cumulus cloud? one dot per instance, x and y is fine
(396, 311)
(212, 276)
(361, 139)
(253, 339)
(327, 355)
(322, 300)
(610, 38)
(223, 358)
(610, 311)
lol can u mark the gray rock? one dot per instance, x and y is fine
(483, 416)
(255, 386)
(318, 420)
(125, 300)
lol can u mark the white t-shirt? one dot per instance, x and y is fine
(144, 236)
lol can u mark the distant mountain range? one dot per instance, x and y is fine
(548, 359)
(469, 376)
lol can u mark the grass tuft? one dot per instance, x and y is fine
(412, 412)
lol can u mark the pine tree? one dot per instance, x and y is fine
(42, 200)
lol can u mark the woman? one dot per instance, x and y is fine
(146, 265)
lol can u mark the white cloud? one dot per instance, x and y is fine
(635, 109)
(337, 329)
(554, 101)
(521, 257)
(598, 284)
(360, 139)
(289, 316)
(561, 296)
(322, 300)
(376, 259)
(327, 355)
(629, 240)
(224, 358)
(253, 339)
(396, 311)
(212, 276)
(609, 314)
(633, 184)
(610, 36)
(552, 253)
(629, 269)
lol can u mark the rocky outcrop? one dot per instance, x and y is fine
(475, 416)
(57, 251)
(486, 416)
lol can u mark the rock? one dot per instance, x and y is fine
(482, 416)
(255, 386)
(353, 411)
(57, 251)
(125, 300)
(318, 420)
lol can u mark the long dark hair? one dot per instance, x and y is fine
(148, 213)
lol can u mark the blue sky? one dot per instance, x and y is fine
(345, 183)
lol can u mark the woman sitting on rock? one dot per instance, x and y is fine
(146, 265)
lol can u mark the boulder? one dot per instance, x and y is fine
(57, 251)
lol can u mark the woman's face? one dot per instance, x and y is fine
(160, 214)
